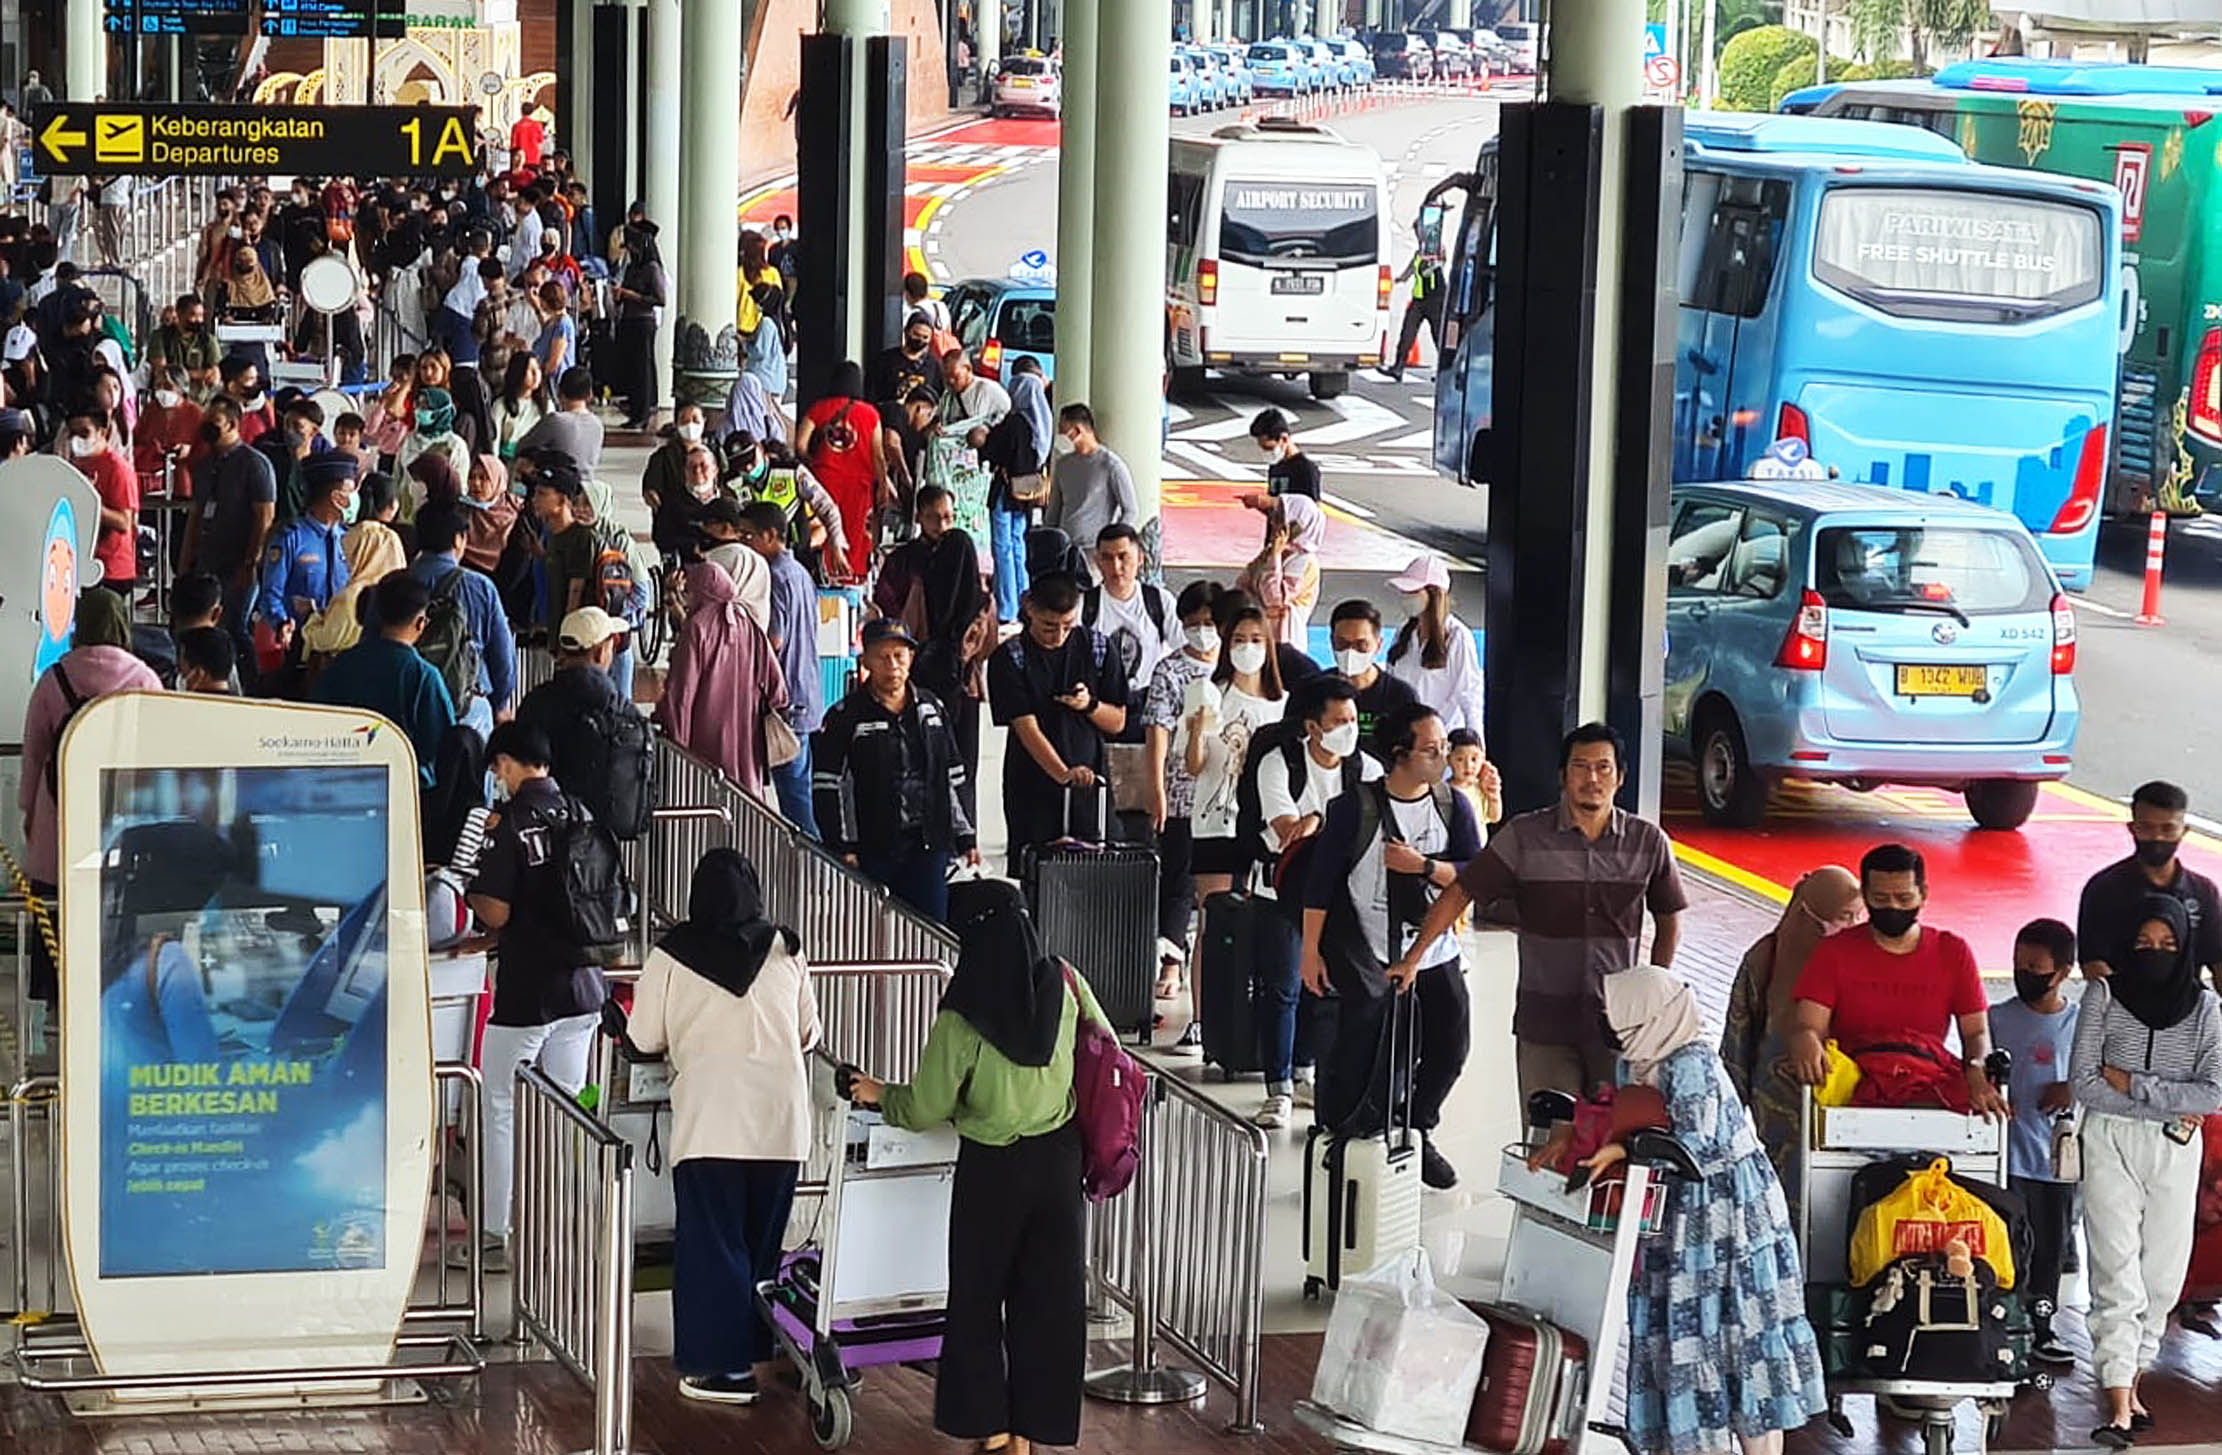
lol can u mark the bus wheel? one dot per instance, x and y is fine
(1330, 385)
(2001, 803)
(1187, 379)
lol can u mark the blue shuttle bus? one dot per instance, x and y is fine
(1916, 319)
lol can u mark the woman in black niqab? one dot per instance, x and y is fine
(1004, 986)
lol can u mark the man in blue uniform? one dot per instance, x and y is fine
(303, 568)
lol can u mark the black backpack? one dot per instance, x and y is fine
(1409, 896)
(72, 702)
(447, 642)
(1153, 603)
(607, 755)
(584, 874)
(1922, 1322)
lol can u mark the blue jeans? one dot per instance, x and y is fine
(1008, 527)
(1276, 981)
(793, 785)
(919, 877)
(621, 670)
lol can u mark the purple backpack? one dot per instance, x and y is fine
(1108, 1086)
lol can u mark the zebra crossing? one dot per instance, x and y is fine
(1379, 428)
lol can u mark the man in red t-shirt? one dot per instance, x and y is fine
(526, 139)
(117, 545)
(1890, 979)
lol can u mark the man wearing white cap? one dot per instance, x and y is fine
(1434, 650)
(582, 713)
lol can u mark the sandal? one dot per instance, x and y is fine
(2114, 1437)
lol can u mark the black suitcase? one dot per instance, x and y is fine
(1095, 904)
(1226, 970)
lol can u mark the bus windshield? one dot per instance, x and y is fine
(1265, 223)
(1948, 253)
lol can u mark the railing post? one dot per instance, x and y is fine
(613, 1359)
(1140, 1381)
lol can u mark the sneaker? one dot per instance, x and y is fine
(1191, 1042)
(2050, 1350)
(1275, 1113)
(720, 1388)
(493, 1255)
(1307, 1091)
(1435, 1168)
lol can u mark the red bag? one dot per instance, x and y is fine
(1915, 1071)
(1108, 1087)
(1608, 1117)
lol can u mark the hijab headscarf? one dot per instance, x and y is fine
(2158, 990)
(435, 411)
(249, 286)
(436, 473)
(952, 585)
(487, 523)
(1307, 523)
(1653, 1013)
(1816, 902)
(1030, 399)
(752, 579)
(373, 553)
(1004, 986)
(103, 620)
(725, 938)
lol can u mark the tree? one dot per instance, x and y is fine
(1800, 71)
(1926, 25)
(1750, 63)
(1738, 16)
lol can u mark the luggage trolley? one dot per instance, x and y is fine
(1838, 1142)
(871, 1287)
(1568, 1261)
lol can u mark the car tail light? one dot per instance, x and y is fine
(1792, 424)
(2063, 635)
(1207, 282)
(991, 358)
(1382, 288)
(2082, 503)
(1806, 647)
(2206, 387)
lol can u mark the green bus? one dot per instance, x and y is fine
(2154, 133)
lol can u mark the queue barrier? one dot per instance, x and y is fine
(1182, 1251)
(573, 1248)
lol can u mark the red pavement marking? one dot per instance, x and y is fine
(1018, 131)
(1982, 885)
(1206, 525)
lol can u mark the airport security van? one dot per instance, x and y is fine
(1277, 255)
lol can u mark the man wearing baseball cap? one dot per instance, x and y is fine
(585, 644)
(889, 780)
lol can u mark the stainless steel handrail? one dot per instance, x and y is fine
(1183, 1251)
(573, 1250)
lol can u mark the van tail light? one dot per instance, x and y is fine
(1207, 282)
(2206, 387)
(1792, 424)
(991, 358)
(1382, 288)
(2082, 504)
(1806, 647)
(2063, 635)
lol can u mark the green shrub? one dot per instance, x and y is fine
(1751, 62)
(1798, 73)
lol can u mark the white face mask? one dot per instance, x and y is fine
(691, 433)
(167, 398)
(1204, 639)
(1350, 661)
(82, 445)
(1248, 657)
(1341, 741)
(1415, 602)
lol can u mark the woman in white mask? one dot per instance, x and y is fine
(1434, 650)
(1172, 786)
(1218, 715)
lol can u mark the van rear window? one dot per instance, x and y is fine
(1262, 223)
(1940, 569)
(1269, 53)
(1945, 253)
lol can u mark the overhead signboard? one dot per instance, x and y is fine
(176, 17)
(105, 139)
(333, 19)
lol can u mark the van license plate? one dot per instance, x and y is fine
(1308, 284)
(1927, 681)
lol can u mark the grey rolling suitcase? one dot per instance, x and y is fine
(1095, 904)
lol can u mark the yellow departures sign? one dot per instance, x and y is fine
(166, 140)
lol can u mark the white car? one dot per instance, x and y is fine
(1028, 83)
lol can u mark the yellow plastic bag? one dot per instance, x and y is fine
(1927, 1213)
(1842, 1080)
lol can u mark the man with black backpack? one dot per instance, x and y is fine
(467, 636)
(1383, 855)
(551, 885)
(601, 743)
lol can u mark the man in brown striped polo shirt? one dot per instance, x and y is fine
(1576, 878)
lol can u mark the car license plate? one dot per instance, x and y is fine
(1023, 84)
(1309, 284)
(1928, 681)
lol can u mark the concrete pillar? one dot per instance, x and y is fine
(577, 122)
(860, 19)
(1205, 21)
(1076, 201)
(708, 346)
(1127, 346)
(1373, 14)
(988, 27)
(660, 157)
(1461, 14)
(1596, 59)
(84, 52)
(1326, 17)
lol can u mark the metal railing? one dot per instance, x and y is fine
(156, 235)
(1182, 1250)
(573, 1250)
(876, 1017)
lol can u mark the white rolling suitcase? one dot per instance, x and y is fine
(1362, 1194)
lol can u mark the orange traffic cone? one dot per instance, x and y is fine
(1412, 355)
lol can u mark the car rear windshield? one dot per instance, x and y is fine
(1285, 222)
(1269, 53)
(1943, 253)
(1028, 323)
(1966, 570)
(1025, 67)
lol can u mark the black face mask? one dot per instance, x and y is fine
(1892, 923)
(2031, 988)
(2153, 965)
(2156, 853)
